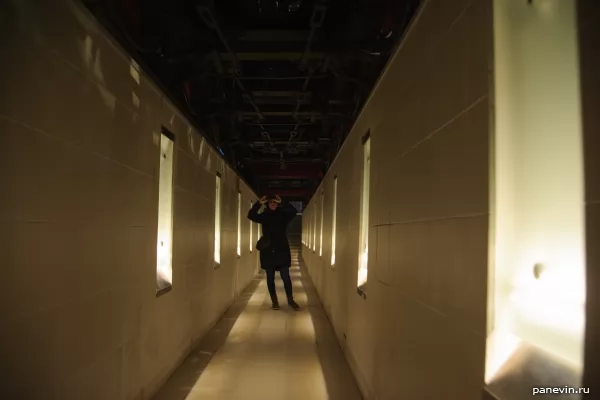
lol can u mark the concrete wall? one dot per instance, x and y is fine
(589, 42)
(420, 333)
(78, 212)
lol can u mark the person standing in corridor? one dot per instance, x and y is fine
(276, 255)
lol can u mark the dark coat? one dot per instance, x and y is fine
(274, 226)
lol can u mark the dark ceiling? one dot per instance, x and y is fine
(274, 85)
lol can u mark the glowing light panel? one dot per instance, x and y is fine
(239, 224)
(363, 261)
(218, 219)
(334, 221)
(321, 233)
(164, 247)
(537, 290)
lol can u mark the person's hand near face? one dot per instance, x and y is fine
(273, 202)
(263, 200)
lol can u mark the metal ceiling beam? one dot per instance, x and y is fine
(214, 55)
(265, 170)
(280, 97)
(302, 193)
(290, 175)
(281, 78)
(278, 143)
(276, 93)
(302, 114)
(288, 161)
(207, 16)
(258, 35)
(286, 101)
(282, 108)
(292, 56)
(206, 13)
(298, 183)
(316, 107)
(275, 124)
(316, 21)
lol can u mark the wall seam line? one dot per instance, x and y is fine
(464, 216)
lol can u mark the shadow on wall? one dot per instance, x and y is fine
(340, 382)
(181, 383)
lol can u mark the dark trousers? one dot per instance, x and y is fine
(287, 283)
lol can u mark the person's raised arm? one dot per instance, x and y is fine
(289, 211)
(253, 214)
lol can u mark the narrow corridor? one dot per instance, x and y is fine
(257, 353)
(442, 157)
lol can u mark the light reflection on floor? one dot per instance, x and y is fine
(269, 355)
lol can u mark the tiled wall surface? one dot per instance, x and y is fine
(420, 333)
(589, 43)
(79, 161)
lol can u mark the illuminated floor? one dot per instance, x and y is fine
(258, 353)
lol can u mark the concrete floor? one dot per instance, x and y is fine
(258, 353)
